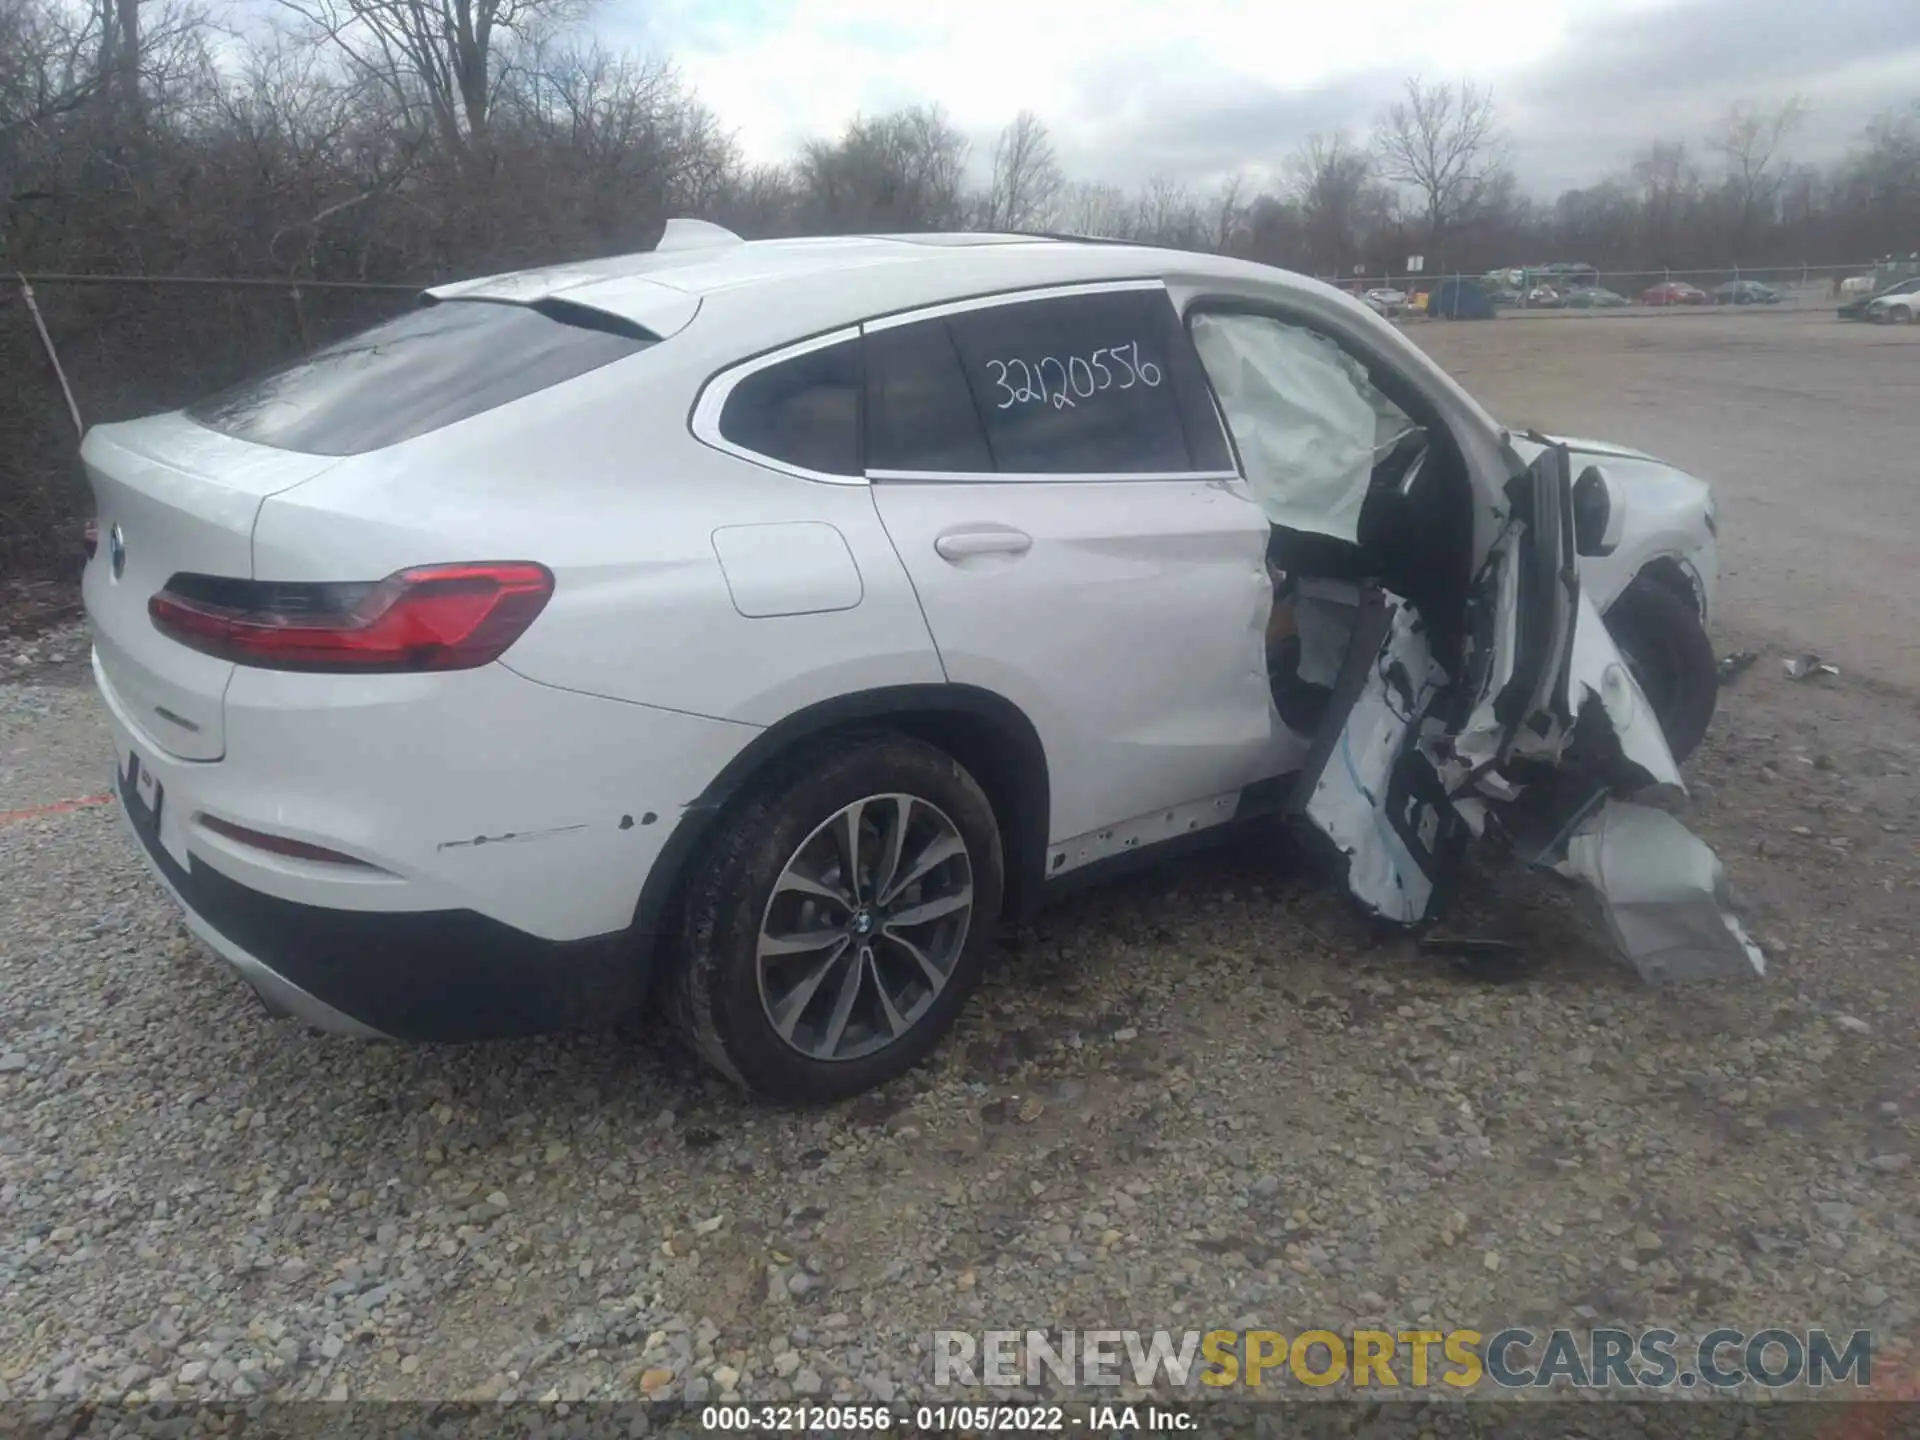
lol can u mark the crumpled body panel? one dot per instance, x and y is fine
(1664, 895)
(1392, 768)
(1360, 800)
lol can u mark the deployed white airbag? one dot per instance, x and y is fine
(1302, 415)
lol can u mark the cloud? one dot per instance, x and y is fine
(1624, 80)
(1198, 89)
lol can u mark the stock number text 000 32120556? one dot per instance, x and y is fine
(1060, 383)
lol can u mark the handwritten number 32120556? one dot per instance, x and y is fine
(1063, 383)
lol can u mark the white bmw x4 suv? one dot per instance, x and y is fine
(754, 626)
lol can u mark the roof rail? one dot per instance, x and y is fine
(1076, 239)
(687, 234)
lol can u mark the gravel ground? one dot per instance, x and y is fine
(1210, 1097)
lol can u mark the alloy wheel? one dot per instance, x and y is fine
(865, 927)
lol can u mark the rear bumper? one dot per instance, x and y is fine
(442, 975)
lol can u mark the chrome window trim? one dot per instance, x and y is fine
(1068, 290)
(974, 477)
(705, 420)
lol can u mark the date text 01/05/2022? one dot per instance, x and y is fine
(1080, 377)
(942, 1419)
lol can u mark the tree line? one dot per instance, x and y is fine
(400, 140)
(405, 138)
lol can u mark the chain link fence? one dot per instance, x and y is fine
(129, 346)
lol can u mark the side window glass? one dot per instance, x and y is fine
(920, 414)
(1084, 385)
(804, 411)
(1308, 421)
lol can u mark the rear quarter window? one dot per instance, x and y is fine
(418, 372)
(802, 411)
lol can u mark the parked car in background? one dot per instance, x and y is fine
(889, 584)
(1902, 309)
(1745, 292)
(1860, 308)
(1386, 300)
(1543, 297)
(1570, 274)
(1673, 292)
(1593, 297)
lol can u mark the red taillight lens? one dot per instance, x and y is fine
(90, 538)
(434, 617)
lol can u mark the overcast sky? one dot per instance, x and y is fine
(1198, 89)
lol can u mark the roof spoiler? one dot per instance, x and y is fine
(685, 234)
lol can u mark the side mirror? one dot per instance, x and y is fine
(1599, 512)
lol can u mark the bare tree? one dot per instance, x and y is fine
(1881, 181)
(1274, 232)
(1752, 142)
(1168, 214)
(1598, 224)
(1026, 177)
(433, 138)
(1087, 208)
(49, 68)
(1331, 183)
(1444, 143)
(1227, 211)
(1667, 186)
(761, 200)
(439, 55)
(895, 172)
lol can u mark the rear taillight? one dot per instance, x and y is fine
(90, 538)
(434, 617)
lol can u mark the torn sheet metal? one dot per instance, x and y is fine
(1599, 672)
(1368, 798)
(1664, 895)
(1478, 742)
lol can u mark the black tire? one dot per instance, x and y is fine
(715, 994)
(1668, 650)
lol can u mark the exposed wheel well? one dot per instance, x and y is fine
(986, 733)
(1670, 574)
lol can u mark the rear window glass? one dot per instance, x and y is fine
(804, 411)
(417, 372)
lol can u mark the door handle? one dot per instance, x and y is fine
(965, 544)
